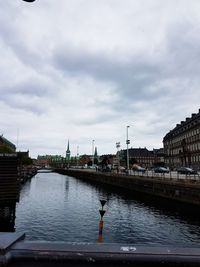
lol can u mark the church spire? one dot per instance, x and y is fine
(95, 152)
(68, 151)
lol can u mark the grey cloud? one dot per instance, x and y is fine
(13, 37)
(131, 78)
(29, 88)
(98, 119)
(181, 59)
(13, 101)
(140, 77)
(27, 96)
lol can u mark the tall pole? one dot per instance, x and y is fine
(127, 143)
(93, 152)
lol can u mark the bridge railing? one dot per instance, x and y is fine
(16, 251)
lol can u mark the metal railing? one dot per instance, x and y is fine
(171, 175)
(15, 251)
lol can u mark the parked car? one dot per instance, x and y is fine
(161, 170)
(186, 170)
(138, 168)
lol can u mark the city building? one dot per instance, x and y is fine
(143, 157)
(182, 144)
(159, 157)
(6, 146)
(48, 160)
(84, 160)
(107, 159)
(140, 156)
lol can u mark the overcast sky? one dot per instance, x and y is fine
(85, 69)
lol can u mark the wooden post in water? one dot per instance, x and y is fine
(102, 212)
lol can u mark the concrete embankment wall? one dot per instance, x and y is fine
(184, 191)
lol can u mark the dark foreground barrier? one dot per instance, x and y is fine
(16, 251)
(169, 189)
(9, 183)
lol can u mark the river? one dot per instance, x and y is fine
(56, 207)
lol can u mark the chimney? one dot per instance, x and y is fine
(187, 119)
(193, 114)
(183, 121)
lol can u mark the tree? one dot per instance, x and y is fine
(89, 163)
(96, 161)
(24, 159)
(105, 161)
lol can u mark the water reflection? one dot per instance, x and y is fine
(181, 212)
(56, 207)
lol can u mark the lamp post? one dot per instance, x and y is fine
(127, 143)
(93, 152)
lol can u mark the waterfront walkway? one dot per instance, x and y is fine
(172, 175)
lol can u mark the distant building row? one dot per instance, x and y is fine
(181, 147)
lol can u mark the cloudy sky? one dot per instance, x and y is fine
(85, 69)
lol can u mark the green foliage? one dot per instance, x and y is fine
(96, 161)
(89, 163)
(27, 161)
(24, 159)
(105, 161)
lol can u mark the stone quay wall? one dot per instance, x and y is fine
(181, 190)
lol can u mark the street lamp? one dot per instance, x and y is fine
(127, 143)
(93, 152)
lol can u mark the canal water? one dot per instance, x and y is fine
(56, 207)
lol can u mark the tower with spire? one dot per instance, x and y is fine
(68, 152)
(95, 156)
